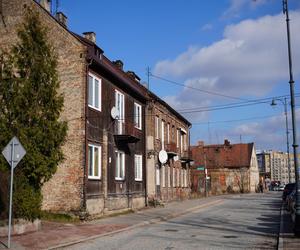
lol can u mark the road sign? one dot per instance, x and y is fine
(14, 152)
(200, 168)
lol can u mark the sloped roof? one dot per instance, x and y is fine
(222, 155)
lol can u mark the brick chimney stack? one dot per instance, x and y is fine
(61, 18)
(46, 4)
(90, 36)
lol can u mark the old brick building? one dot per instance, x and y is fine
(104, 165)
(167, 132)
(230, 167)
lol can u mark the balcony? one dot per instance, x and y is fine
(186, 156)
(127, 132)
(171, 148)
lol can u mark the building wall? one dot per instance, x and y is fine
(64, 190)
(253, 171)
(169, 181)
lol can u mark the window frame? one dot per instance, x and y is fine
(138, 116)
(138, 175)
(94, 177)
(94, 77)
(117, 167)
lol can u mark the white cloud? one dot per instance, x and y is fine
(207, 27)
(236, 7)
(269, 134)
(249, 61)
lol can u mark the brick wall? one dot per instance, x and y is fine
(64, 191)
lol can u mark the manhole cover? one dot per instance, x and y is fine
(171, 230)
(229, 236)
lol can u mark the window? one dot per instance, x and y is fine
(163, 176)
(120, 106)
(156, 127)
(162, 134)
(169, 177)
(138, 116)
(94, 160)
(168, 133)
(157, 176)
(178, 135)
(138, 163)
(120, 165)
(174, 182)
(94, 95)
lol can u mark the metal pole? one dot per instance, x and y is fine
(295, 145)
(287, 139)
(11, 193)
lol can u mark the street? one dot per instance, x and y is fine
(238, 222)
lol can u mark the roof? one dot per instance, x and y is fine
(223, 155)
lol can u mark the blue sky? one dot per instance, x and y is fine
(234, 48)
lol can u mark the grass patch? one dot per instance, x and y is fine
(58, 217)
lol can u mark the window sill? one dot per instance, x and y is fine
(92, 107)
(98, 178)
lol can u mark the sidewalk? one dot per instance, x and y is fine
(56, 235)
(287, 240)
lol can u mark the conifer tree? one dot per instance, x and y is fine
(31, 107)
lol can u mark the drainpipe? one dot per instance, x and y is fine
(145, 157)
(83, 208)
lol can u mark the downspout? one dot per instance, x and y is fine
(85, 136)
(145, 156)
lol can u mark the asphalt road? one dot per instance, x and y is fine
(239, 222)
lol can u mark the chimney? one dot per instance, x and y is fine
(119, 64)
(61, 18)
(46, 4)
(226, 142)
(90, 36)
(133, 75)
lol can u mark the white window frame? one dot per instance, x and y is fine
(156, 127)
(121, 111)
(163, 176)
(157, 176)
(169, 177)
(138, 167)
(118, 168)
(168, 133)
(138, 115)
(93, 176)
(174, 178)
(163, 134)
(93, 105)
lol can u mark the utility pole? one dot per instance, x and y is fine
(148, 77)
(295, 145)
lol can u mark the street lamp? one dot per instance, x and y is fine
(295, 145)
(287, 131)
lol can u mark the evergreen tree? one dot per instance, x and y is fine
(31, 106)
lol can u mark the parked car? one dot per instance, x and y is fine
(287, 190)
(281, 187)
(291, 204)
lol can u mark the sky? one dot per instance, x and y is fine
(219, 63)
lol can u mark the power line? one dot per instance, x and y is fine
(236, 120)
(198, 89)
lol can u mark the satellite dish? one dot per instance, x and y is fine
(114, 113)
(163, 156)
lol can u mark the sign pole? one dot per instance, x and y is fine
(11, 193)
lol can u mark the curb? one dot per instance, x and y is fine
(141, 224)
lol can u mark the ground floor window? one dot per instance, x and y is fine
(120, 165)
(94, 161)
(138, 167)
